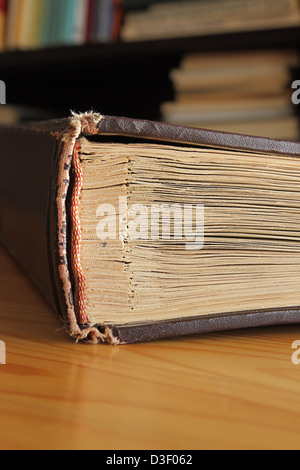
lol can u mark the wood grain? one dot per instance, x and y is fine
(235, 390)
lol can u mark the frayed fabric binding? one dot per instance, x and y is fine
(77, 325)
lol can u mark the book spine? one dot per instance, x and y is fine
(12, 11)
(116, 20)
(90, 16)
(33, 41)
(55, 24)
(80, 22)
(67, 21)
(71, 14)
(28, 8)
(46, 23)
(103, 21)
(3, 18)
(20, 19)
(108, 20)
(58, 24)
(98, 7)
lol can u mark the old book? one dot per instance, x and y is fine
(212, 111)
(253, 70)
(189, 18)
(137, 230)
(247, 93)
(246, 59)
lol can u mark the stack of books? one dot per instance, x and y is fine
(243, 92)
(32, 24)
(154, 19)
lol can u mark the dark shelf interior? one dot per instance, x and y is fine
(128, 79)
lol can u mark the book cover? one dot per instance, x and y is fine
(65, 185)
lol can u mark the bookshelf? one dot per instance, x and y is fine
(129, 79)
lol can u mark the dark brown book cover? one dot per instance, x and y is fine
(36, 163)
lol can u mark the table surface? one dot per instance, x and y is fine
(233, 390)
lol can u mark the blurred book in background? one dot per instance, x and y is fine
(14, 114)
(33, 24)
(165, 19)
(242, 92)
(3, 9)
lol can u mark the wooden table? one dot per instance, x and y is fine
(237, 390)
